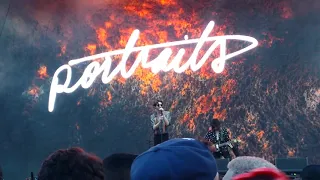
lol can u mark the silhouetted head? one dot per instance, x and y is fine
(179, 158)
(244, 164)
(117, 166)
(311, 172)
(215, 124)
(73, 163)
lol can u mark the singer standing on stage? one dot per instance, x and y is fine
(160, 120)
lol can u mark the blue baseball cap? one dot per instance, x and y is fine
(183, 159)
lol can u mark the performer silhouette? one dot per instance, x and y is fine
(218, 135)
(160, 120)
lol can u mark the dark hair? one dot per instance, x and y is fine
(311, 172)
(118, 166)
(156, 103)
(215, 123)
(73, 163)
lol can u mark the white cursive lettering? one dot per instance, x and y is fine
(160, 63)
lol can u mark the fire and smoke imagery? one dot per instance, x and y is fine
(268, 97)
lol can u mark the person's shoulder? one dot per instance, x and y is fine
(224, 129)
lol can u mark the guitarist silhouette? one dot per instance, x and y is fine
(220, 137)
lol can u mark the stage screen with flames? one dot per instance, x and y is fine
(256, 69)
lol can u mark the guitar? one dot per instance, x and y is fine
(229, 143)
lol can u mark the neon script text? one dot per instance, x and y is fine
(160, 63)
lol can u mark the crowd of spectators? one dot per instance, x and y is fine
(180, 159)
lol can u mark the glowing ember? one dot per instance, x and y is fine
(91, 48)
(42, 72)
(34, 91)
(63, 49)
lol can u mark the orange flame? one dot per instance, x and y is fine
(91, 48)
(34, 91)
(42, 72)
(291, 152)
(63, 48)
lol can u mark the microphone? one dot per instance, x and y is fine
(161, 111)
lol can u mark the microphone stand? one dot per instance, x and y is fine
(161, 134)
